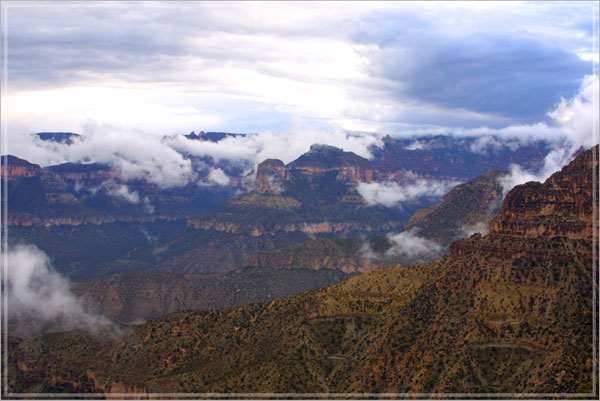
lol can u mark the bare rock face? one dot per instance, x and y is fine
(89, 174)
(13, 168)
(560, 208)
(271, 176)
(322, 159)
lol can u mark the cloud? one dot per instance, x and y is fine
(218, 176)
(360, 66)
(488, 144)
(366, 251)
(148, 207)
(134, 154)
(40, 298)
(508, 78)
(409, 245)
(391, 194)
(417, 145)
(131, 154)
(122, 192)
(252, 149)
(577, 120)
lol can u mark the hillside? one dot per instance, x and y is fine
(509, 312)
(147, 295)
(467, 208)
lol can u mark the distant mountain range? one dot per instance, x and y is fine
(286, 271)
(506, 312)
(110, 225)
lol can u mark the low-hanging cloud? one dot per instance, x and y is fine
(39, 298)
(218, 177)
(131, 154)
(409, 245)
(288, 146)
(122, 192)
(487, 144)
(391, 194)
(166, 162)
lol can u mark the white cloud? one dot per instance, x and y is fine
(366, 251)
(577, 120)
(485, 144)
(122, 192)
(391, 194)
(148, 207)
(409, 245)
(288, 146)
(132, 154)
(40, 297)
(417, 145)
(218, 176)
(136, 155)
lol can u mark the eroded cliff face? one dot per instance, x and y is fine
(560, 208)
(34, 221)
(89, 177)
(322, 159)
(467, 207)
(13, 168)
(315, 194)
(271, 176)
(308, 227)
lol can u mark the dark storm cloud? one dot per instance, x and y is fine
(517, 77)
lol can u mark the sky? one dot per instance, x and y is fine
(385, 67)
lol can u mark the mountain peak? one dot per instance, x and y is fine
(329, 157)
(322, 148)
(14, 167)
(58, 137)
(271, 175)
(560, 208)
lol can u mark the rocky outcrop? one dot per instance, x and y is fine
(13, 168)
(87, 174)
(467, 208)
(271, 176)
(323, 159)
(560, 208)
(454, 158)
(321, 227)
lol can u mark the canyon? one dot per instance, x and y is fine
(508, 311)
